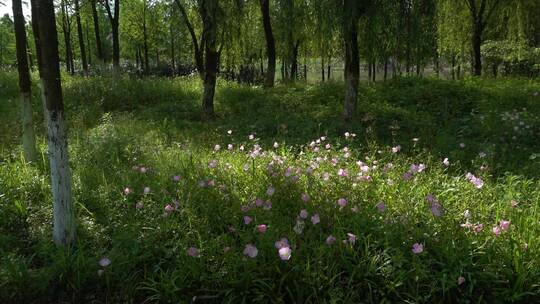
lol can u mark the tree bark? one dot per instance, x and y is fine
(145, 42)
(352, 61)
(115, 22)
(81, 36)
(476, 46)
(63, 213)
(28, 136)
(97, 32)
(270, 44)
(66, 28)
(208, 13)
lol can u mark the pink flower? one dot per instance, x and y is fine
(417, 248)
(436, 209)
(176, 178)
(460, 280)
(504, 224)
(250, 251)
(168, 208)
(146, 190)
(305, 197)
(270, 191)
(127, 191)
(104, 262)
(396, 149)
(262, 228)
(212, 163)
(217, 147)
(142, 169)
(226, 249)
(193, 252)
(407, 176)
(342, 202)
(276, 145)
(303, 214)
(230, 147)
(139, 205)
(281, 243)
(381, 207)
(342, 173)
(446, 162)
(478, 228)
(315, 219)
(462, 145)
(496, 230)
(247, 219)
(285, 253)
(330, 240)
(229, 132)
(351, 238)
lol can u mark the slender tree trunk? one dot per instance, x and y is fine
(97, 32)
(37, 44)
(28, 136)
(386, 69)
(145, 48)
(115, 23)
(352, 61)
(453, 67)
(476, 45)
(88, 44)
(294, 64)
(270, 44)
(329, 68)
(322, 68)
(81, 36)
(374, 73)
(208, 14)
(63, 213)
(66, 28)
(173, 63)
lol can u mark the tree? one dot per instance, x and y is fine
(352, 61)
(63, 213)
(28, 138)
(80, 35)
(480, 12)
(114, 19)
(270, 44)
(209, 11)
(97, 32)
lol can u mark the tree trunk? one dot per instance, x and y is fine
(81, 36)
(270, 44)
(453, 68)
(386, 69)
(28, 136)
(173, 63)
(329, 69)
(352, 61)
(294, 63)
(115, 22)
(97, 32)
(476, 44)
(208, 14)
(145, 47)
(66, 28)
(63, 213)
(88, 44)
(322, 68)
(37, 43)
(374, 73)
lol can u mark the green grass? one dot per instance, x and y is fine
(116, 128)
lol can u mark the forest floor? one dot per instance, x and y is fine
(431, 196)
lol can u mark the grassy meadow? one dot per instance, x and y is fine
(431, 196)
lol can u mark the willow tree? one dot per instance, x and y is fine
(480, 13)
(63, 213)
(28, 137)
(114, 18)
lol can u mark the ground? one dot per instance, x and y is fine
(432, 195)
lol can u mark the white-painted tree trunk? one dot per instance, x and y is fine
(64, 219)
(28, 138)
